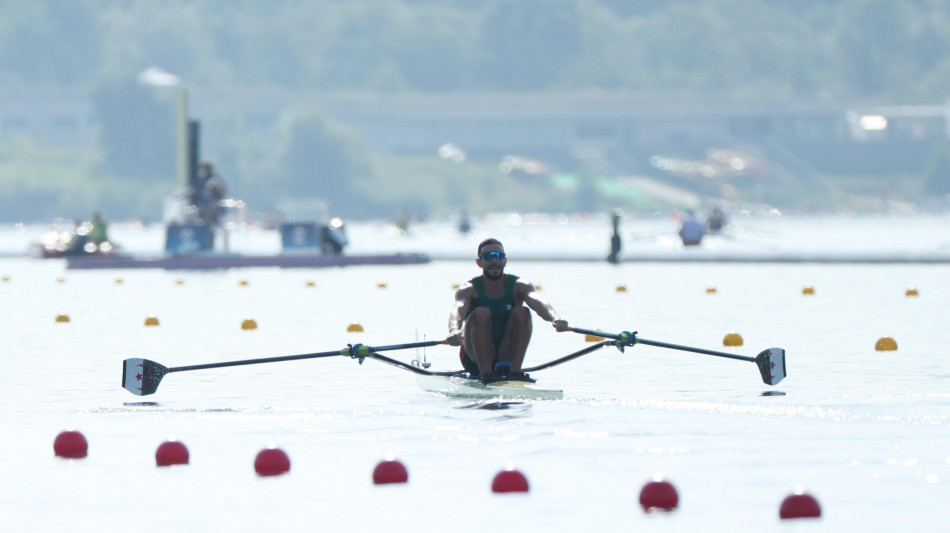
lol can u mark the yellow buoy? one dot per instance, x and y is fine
(732, 339)
(249, 323)
(118, 281)
(179, 281)
(593, 338)
(60, 280)
(381, 285)
(885, 344)
(621, 288)
(62, 318)
(455, 286)
(355, 327)
(911, 291)
(311, 284)
(808, 290)
(152, 320)
(243, 283)
(711, 289)
(537, 287)
(6, 279)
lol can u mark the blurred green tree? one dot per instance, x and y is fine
(527, 44)
(136, 130)
(329, 160)
(937, 171)
(876, 44)
(49, 43)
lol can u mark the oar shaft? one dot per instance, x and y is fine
(345, 351)
(422, 344)
(256, 361)
(696, 350)
(602, 334)
(640, 340)
(414, 369)
(567, 358)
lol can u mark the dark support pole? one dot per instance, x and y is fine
(194, 151)
(614, 256)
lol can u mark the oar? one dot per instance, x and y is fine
(771, 362)
(569, 357)
(142, 376)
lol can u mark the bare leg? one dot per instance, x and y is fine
(477, 335)
(514, 344)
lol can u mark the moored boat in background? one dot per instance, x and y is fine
(214, 261)
(76, 239)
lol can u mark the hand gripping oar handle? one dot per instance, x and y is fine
(142, 376)
(771, 362)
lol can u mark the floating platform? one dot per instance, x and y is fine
(221, 261)
(744, 256)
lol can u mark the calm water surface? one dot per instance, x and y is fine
(865, 432)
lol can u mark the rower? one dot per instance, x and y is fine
(716, 220)
(100, 229)
(692, 230)
(489, 319)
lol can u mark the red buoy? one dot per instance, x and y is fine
(509, 481)
(799, 505)
(390, 471)
(659, 496)
(170, 453)
(70, 445)
(271, 462)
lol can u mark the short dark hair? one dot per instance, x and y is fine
(486, 242)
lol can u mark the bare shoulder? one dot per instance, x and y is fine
(466, 291)
(523, 286)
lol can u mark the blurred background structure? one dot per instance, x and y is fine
(431, 107)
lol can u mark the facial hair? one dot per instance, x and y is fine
(489, 275)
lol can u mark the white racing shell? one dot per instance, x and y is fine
(462, 387)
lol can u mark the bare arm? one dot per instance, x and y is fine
(539, 305)
(460, 309)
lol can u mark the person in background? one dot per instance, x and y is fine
(465, 223)
(402, 222)
(208, 193)
(100, 229)
(490, 320)
(614, 256)
(333, 237)
(691, 230)
(77, 238)
(716, 220)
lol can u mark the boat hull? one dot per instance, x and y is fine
(461, 387)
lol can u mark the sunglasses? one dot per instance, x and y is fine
(492, 256)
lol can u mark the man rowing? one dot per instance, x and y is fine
(490, 321)
(692, 230)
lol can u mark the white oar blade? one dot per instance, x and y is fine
(771, 365)
(141, 376)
